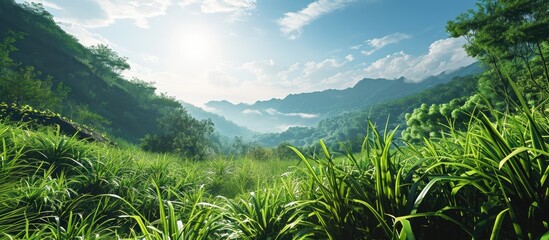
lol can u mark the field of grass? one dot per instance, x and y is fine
(489, 182)
(471, 172)
(53, 186)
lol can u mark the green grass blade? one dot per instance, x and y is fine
(497, 224)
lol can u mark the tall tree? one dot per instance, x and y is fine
(105, 59)
(511, 36)
(180, 133)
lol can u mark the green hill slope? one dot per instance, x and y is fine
(350, 127)
(99, 97)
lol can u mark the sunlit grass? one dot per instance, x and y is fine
(59, 187)
(488, 182)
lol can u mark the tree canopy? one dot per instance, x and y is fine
(180, 133)
(510, 36)
(105, 58)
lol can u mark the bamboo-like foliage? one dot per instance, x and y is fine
(202, 222)
(261, 216)
(507, 162)
(355, 199)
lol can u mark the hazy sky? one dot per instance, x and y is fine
(248, 50)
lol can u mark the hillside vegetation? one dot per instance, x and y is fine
(87, 79)
(47, 69)
(470, 184)
(471, 167)
(350, 127)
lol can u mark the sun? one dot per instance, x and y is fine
(197, 44)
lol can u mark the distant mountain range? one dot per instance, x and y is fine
(308, 109)
(222, 126)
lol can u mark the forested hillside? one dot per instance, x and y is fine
(350, 127)
(44, 67)
(96, 93)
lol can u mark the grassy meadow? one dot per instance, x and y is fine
(488, 182)
(54, 186)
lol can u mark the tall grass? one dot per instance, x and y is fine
(376, 195)
(505, 163)
(260, 216)
(488, 182)
(57, 187)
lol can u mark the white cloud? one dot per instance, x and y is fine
(273, 112)
(252, 112)
(285, 74)
(236, 9)
(261, 69)
(349, 58)
(444, 55)
(292, 23)
(220, 77)
(378, 43)
(185, 3)
(302, 115)
(165, 80)
(227, 6)
(111, 10)
(319, 75)
(313, 67)
(139, 11)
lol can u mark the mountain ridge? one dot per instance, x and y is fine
(308, 109)
(223, 126)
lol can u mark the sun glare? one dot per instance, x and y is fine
(197, 44)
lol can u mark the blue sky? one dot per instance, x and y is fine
(249, 50)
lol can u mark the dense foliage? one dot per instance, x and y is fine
(85, 85)
(22, 85)
(474, 163)
(351, 127)
(54, 186)
(180, 133)
(511, 37)
(106, 61)
(487, 181)
(98, 95)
